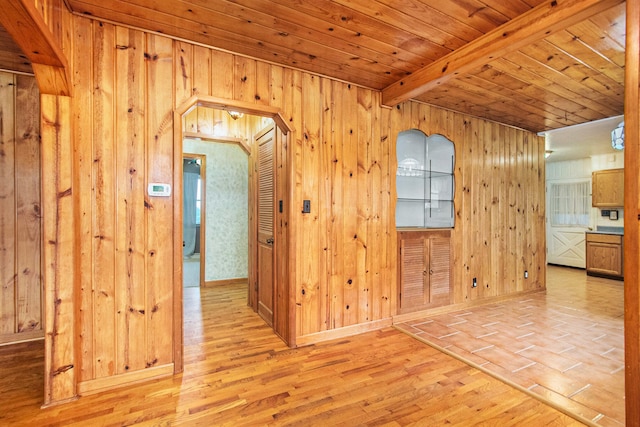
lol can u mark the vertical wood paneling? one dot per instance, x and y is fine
(201, 71)
(363, 256)
(376, 260)
(130, 298)
(349, 242)
(311, 255)
(387, 214)
(58, 252)
(8, 205)
(27, 191)
(336, 249)
(277, 87)
(263, 83)
(244, 82)
(102, 343)
(221, 79)
(82, 182)
(159, 210)
(325, 206)
(183, 72)
(20, 209)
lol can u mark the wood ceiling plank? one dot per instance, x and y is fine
(603, 34)
(15, 62)
(587, 55)
(511, 8)
(550, 55)
(305, 25)
(532, 98)
(507, 101)
(211, 36)
(337, 16)
(557, 82)
(612, 23)
(417, 16)
(424, 27)
(541, 21)
(475, 105)
(263, 29)
(268, 17)
(475, 13)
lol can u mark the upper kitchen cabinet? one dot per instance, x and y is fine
(424, 180)
(608, 188)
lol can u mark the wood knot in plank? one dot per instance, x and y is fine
(61, 370)
(64, 193)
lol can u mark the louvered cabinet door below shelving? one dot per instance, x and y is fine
(414, 280)
(424, 276)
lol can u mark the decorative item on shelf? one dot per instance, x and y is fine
(410, 167)
(617, 137)
(235, 115)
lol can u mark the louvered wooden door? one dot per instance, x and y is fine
(424, 270)
(265, 142)
(414, 278)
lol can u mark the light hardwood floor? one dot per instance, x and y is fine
(565, 344)
(238, 373)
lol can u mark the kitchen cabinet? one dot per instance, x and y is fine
(607, 188)
(604, 255)
(424, 274)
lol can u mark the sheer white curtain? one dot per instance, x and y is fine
(570, 204)
(191, 175)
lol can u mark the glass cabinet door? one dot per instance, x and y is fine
(424, 180)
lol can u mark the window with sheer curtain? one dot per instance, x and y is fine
(570, 204)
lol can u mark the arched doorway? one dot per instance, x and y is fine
(283, 311)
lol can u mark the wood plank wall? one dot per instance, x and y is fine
(20, 210)
(127, 84)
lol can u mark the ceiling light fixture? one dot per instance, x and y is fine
(617, 137)
(235, 115)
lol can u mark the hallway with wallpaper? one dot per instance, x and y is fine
(565, 346)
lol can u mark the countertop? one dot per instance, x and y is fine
(607, 230)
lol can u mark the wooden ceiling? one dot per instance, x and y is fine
(565, 75)
(11, 56)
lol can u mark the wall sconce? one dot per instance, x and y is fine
(235, 115)
(547, 154)
(617, 137)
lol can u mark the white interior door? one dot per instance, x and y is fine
(566, 243)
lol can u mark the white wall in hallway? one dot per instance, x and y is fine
(227, 221)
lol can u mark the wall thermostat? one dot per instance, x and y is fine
(159, 190)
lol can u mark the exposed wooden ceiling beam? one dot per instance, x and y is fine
(28, 29)
(539, 22)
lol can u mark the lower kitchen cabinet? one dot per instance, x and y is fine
(424, 274)
(604, 255)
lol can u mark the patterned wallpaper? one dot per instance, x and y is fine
(227, 218)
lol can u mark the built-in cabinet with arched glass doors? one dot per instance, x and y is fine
(424, 218)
